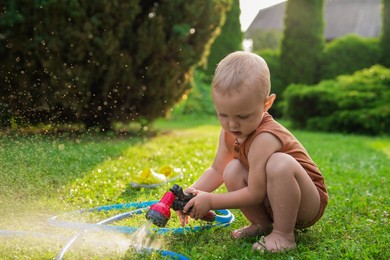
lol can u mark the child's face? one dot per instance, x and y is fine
(238, 112)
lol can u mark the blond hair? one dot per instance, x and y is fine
(240, 70)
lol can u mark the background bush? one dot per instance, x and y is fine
(302, 42)
(385, 35)
(264, 39)
(357, 103)
(348, 54)
(228, 40)
(100, 62)
(198, 102)
(272, 57)
(344, 55)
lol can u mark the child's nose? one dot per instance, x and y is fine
(233, 124)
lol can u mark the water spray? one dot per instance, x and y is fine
(176, 200)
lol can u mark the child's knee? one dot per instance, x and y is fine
(231, 169)
(279, 164)
(234, 174)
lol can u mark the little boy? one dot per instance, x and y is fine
(268, 174)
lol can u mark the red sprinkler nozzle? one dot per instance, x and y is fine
(176, 199)
(160, 213)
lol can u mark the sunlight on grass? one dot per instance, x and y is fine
(110, 180)
(382, 146)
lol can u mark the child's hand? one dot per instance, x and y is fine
(201, 204)
(190, 190)
(182, 217)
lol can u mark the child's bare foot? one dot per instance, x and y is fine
(275, 242)
(249, 231)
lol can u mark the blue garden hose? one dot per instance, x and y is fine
(139, 207)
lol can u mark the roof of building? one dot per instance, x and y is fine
(362, 17)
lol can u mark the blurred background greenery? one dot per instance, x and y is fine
(104, 63)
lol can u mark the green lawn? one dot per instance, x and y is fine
(46, 175)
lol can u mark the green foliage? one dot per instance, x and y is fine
(100, 62)
(385, 36)
(198, 102)
(357, 103)
(302, 42)
(345, 55)
(265, 39)
(348, 54)
(272, 57)
(229, 40)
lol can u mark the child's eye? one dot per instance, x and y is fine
(243, 117)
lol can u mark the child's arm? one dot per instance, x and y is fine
(212, 178)
(263, 146)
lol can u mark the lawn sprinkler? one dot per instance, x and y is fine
(175, 199)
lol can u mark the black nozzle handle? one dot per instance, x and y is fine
(181, 199)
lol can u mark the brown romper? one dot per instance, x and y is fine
(290, 146)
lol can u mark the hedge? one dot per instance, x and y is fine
(348, 54)
(100, 61)
(357, 103)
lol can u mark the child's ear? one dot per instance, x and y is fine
(269, 101)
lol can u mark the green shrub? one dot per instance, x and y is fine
(385, 34)
(277, 87)
(272, 59)
(229, 40)
(302, 42)
(198, 101)
(264, 39)
(357, 103)
(348, 54)
(100, 62)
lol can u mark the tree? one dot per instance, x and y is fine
(385, 36)
(229, 40)
(100, 62)
(265, 39)
(302, 42)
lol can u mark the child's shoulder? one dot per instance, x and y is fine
(270, 129)
(269, 124)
